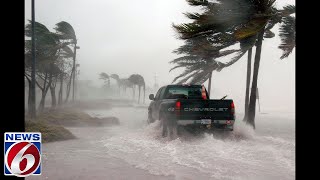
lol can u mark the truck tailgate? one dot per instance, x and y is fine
(195, 109)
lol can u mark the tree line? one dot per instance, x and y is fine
(134, 81)
(55, 62)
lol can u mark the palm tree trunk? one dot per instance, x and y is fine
(53, 97)
(61, 90)
(29, 98)
(44, 93)
(133, 90)
(139, 95)
(42, 101)
(74, 70)
(69, 87)
(41, 105)
(246, 104)
(252, 104)
(209, 84)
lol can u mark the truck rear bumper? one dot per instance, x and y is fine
(205, 122)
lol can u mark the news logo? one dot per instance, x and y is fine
(22, 154)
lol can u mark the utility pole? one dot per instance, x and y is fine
(33, 68)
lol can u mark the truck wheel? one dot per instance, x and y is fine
(231, 128)
(164, 127)
(168, 128)
(150, 119)
(179, 130)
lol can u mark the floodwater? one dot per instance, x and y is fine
(136, 150)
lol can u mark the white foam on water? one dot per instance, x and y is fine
(241, 154)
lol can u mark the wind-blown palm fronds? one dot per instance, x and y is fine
(288, 36)
(65, 31)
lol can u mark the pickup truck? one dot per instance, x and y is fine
(178, 106)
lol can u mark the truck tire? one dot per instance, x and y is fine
(179, 129)
(168, 128)
(150, 119)
(164, 126)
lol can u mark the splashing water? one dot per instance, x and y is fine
(241, 154)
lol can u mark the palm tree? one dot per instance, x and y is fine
(47, 54)
(106, 78)
(134, 80)
(65, 54)
(287, 34)
(199, 61)
(128, 84)
(117, 78)
(66, 32)
(141, 83)
(55, 71)
(138, 80)
(217, 25)
(229, 22)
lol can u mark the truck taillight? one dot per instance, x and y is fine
(232, 108)
(178, 107)
(203, 93)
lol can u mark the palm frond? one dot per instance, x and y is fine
(188, 70)
(201, 77)
(268, 34)
(270, 24)
(115, 76)
(288, 36)
(104, 76)
(198, 2)
(288, 10)
(67, 52)
(234, 59)
(192, 15)
(186, 76)
(39, 29)
(251, 28)
(187, 58)
(65, 31)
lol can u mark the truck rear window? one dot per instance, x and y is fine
(184, 93)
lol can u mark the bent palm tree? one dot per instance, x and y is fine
(138, 80)
(66, 32)
(106, 78)
(229, 22)
(47, 50)
(199, 56)
(117, 78)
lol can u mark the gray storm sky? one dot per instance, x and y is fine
(127, 37)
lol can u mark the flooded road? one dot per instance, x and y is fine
(135, 150)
